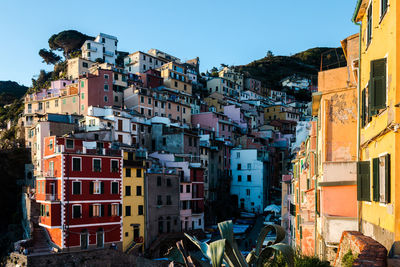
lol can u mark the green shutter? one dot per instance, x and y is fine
(90, 210)
(387, 178)
(375, 179)
(91, 188)
(109, 209)
(363, 107)
(301, 232)
(102, 187)
(102, 210)
(363, 181)
(377, 87)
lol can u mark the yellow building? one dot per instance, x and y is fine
(133, 201)
(77, 66)
(175, 77)
(280, 112)
(378, 188)
(217, 101)
(233, 76)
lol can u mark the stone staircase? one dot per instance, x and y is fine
(40, 244)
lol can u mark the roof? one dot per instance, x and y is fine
(359, 12)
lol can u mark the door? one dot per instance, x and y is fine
(84, 240)
(52, 191)
(120, 138)
(119, 125)
(136, 233)
(100, 238)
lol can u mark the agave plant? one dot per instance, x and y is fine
(226, 252)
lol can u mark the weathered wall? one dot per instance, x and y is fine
(369, 251)
(98, 258)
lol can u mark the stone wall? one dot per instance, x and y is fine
(98, 258)
(369, 252)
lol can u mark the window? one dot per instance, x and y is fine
(76, 211)
(239, 166)
(158, 180)
(76, 188)
(113, 210)
(106, 87)
(114, 165)
(377, 86)
(140, 210)
(96, 210)
(97, 165)
(105, 98)
(239, 178)
(169, 105)
(159, 200)
(363, 181)
(248, 192)
(187, 188)
(249, 178)
(51, 144)
(169, 201)
(128, 172)
(127, 190)
(149, 112)
(369, 25)
(76, 164)
(184, 110)
(249, 166)
(381, 179)
(149, 101)
(141, 99)
(238, 155)
(138, 173)
(181, 188)
(114, 188)
(138, 190)
(85, 64)
(127, 210)
(70, 144)
(176, 84)
(169, 184)
(384, 6)
(96, 188)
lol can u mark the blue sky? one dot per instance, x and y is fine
(231, 32)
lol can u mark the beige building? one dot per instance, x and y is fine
(175, 77)
(231, 75)
(78, 66)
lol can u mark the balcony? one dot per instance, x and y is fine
(51, 197)
(50, 173)
(133, 163)
(93, 49)
(108, 53)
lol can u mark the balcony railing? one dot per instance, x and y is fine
(51, 197)
(109, 54)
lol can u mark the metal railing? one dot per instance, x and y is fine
(52, 197)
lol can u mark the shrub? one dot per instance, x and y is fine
(348, 259)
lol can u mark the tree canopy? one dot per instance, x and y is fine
(49, 56)
(68, 41)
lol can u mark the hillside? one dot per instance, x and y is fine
(10, 91)
(271, 69)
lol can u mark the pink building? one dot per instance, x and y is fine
(216, 122)
(96, 90)
(236, 114)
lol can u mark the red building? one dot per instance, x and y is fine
(80, 193)
(151, 78)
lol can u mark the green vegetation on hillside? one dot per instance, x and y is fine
(271, 69)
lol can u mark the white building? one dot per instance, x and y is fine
(296, 82)
(160, 54)
(249, 179)
(139, 62)
(120, 123)
(104, 46)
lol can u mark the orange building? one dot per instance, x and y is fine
(335, 106)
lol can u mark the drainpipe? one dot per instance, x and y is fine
(358, 117)
(315, 190)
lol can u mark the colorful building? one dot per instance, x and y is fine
(133, 200)
(378, 188)
(80, 193)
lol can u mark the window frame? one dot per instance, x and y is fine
(80, 211)
(93, 167)
(80, 187)
(80, 164)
